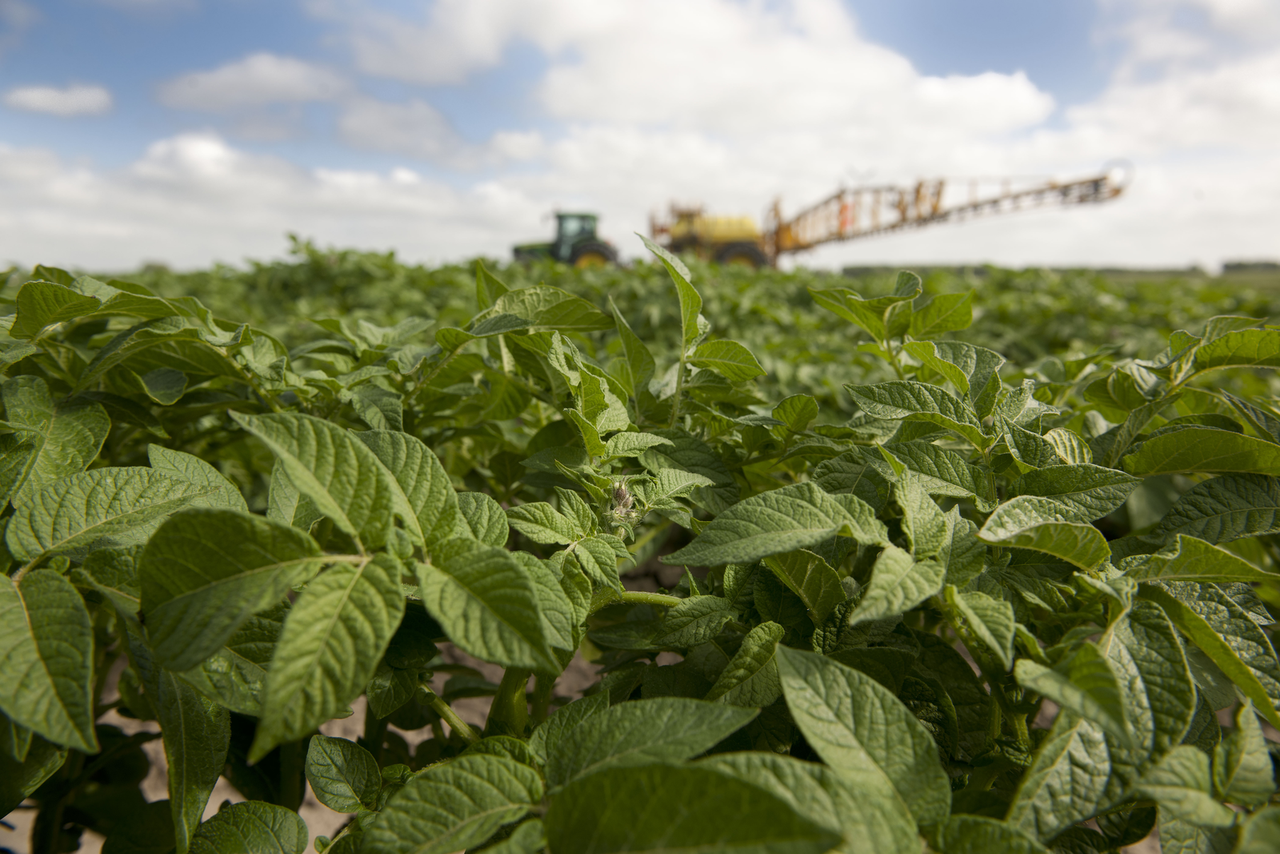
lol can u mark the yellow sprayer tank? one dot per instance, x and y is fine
(715, 229)
(726, 239)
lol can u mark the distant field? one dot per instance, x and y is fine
(1026, 314)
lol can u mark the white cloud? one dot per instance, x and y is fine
(418, 130)
(1251, 19)
(193, 198)
(728, 68)
(719, 65)
(454, 39)
(263, 95)
(787, 87)
(16, 17)
(256, 81)
(517, 146)
(75, 100)
(1158, 36)
(1234, 104)
(415, 129)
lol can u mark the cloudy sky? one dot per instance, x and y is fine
(189, 131)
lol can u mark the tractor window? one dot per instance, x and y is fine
(570, 226)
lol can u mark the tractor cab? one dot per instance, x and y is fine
(572, 229)
(575, 243)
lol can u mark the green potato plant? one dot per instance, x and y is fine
(961, 603)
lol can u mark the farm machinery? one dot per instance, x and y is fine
(575, 243)
(854, 213)
(848, 214)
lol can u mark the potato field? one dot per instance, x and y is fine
(962, 562)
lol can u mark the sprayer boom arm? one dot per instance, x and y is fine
(850, 214)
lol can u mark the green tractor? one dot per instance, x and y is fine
(576, 243)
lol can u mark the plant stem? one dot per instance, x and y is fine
(995, 722)
(47, 830)
(248, 380)
(1002, 707)
(893, 359)
(449, 716)
(100, 761)
(17, 576)
(74, 774)
(991, 475)
(508, 362)
(648, 535)
(108, 660)
(431, 374)
(291, 759)
(982, 778)
(375, 730)
(543, 687)
(509, 713)
(1020, 731)
(675, 398)
(639, 597)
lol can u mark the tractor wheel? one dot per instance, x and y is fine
(593, 255)
(742, 255)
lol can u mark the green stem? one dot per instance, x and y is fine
(291, 775)
(106, 757)
(449, 716)
(375, 731)
(360, 559)
(509, 712)
(991, 474)
(248, 380)
(1177, 386)
(995, 722)
(638, 597)
(1020, 732)
(423, 383)
(109, 658)
(535, 391)
(1002, 708)
(982, 779)
(1017, 721)
(648, 535)
(508, 362)
(543, 687)
(675, 398)
(893, 358)
(17, 576)
(343, 831)
(47, 830)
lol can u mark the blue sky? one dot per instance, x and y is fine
(133, 47)
(193, 130)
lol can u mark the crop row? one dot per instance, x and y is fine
(960, 568)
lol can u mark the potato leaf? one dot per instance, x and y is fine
(455, 805)
(843, 714)
(47, 666)
(776, 522)
(329, 649)
(608, 812)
